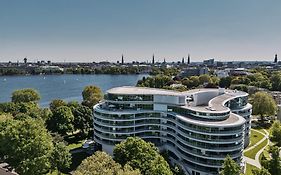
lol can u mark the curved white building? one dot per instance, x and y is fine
(197, 128)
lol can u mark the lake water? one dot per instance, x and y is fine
(67, 87)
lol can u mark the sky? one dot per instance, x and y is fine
(103, 30)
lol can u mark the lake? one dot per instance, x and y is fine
(67, 87)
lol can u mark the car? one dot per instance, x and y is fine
(88, 143)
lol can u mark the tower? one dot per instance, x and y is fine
(25, 60)
(275, 59)
(122, 61)
(153, 60)
(188, 59)
(182, 61)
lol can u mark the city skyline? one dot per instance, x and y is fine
(72, 31)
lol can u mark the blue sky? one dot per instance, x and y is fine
(92, 30)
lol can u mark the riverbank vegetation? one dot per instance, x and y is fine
(40, 139)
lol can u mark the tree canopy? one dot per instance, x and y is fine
(83, 119)
(273, 165)
(25, 95)
(102, 164)
(263, 104)
(61, 121)
(141, 155)
(275, 133)
(230, 167)
(29, 146)
(91, 96)
(56, 104)
(261, 171)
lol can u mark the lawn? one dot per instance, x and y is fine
(249, 169)
(252, 153)
(75, 145)
(255, 137)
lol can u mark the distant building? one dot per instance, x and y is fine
(188, 59)
(122, 61)
(275, 59)
(222, 73)
(25, 60)
(219, 64)
(239, 72)
(153, 60)
(194, 71)
(209, 62)
(51, 68)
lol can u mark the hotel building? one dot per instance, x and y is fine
(197, 128)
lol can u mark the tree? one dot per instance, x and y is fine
(276, 81)
(204, 79)
(261, 171)
(102, 164)
(25, 95)
(7, 107)
(141, 155)
(230, 167)
(274, 164)
(26, 146)
(83, 118)
(225, 82)
(275, 133)
(61, 121)
(60, 157)
(56, 104)
(263, 104)
(91, 96)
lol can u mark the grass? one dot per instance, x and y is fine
(255, 137)
(262, 130)
(75, 145)
(249, 169)
(252, 153)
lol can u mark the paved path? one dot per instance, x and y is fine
(256, 162)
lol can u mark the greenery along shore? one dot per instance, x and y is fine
(113, 70)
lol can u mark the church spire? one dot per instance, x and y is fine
(153, 60)
(275, 59)
(122, 61)
(188, 59)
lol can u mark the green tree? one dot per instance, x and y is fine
(26, 146)
(25, 95)
(91, 96)
(102, 164)
(261, 171)
(225, 82)
(194, 81)
(230, 167)
(273, 165)
(141, 155)
(60, 157)
(61, 121)
(7, 107)
(203, 79)
(56, 104)
(83, 118)
(263, 104)
(275, 133)
(276, 81)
